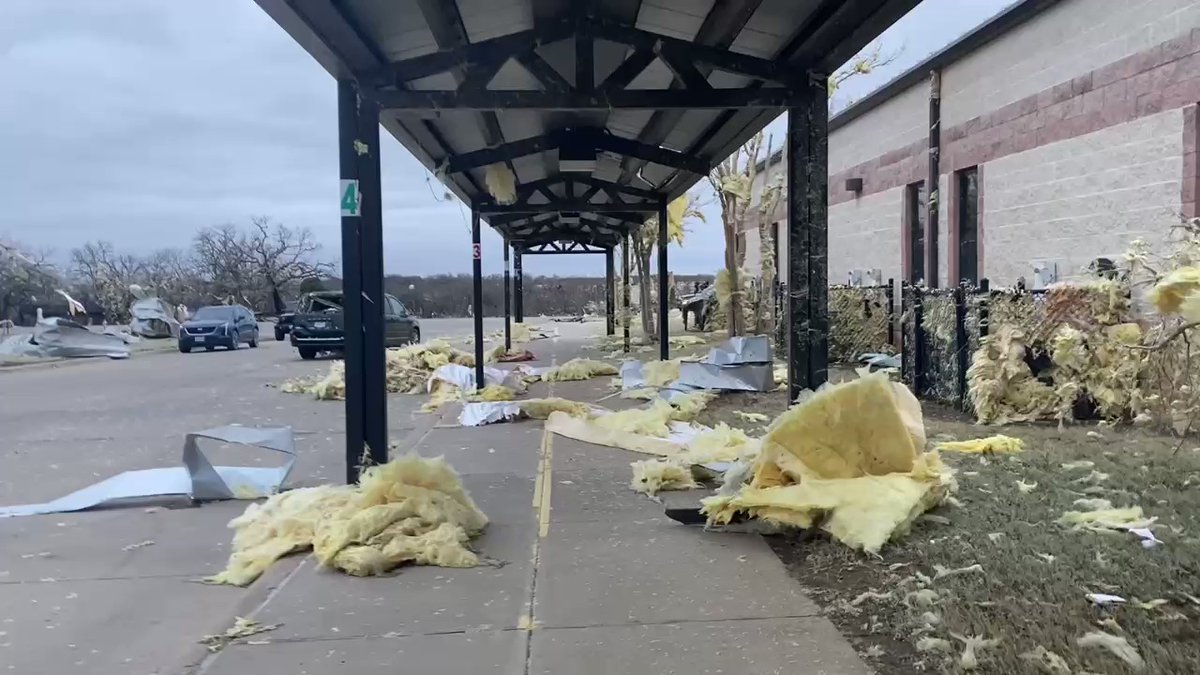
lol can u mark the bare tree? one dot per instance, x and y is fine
(108, 275)
(282, 256)
(172, 274)
(644, 241)
(24, 277)
(223, 261)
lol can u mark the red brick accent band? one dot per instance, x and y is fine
(1164, 77)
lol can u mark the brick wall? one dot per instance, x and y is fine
(864, 235)
(902, 121)
(1075, 200)
(1062, 43)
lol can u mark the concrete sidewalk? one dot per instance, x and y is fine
(583, 576)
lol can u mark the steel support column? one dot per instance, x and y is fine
(518, 291)
(477, 297)
(625, 291)
(362, 274)
(664, 347)
(808, 240)
(507, 302)
(609, 317)
(932, 196)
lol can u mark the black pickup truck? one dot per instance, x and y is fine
(318, 324)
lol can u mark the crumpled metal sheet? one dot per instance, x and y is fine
(463, 377)
(744, 377)
(739, 350)
(488, 412)
(198, 478)
(632, 376)
(153, 318)
(59, 338)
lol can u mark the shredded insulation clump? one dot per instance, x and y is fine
(540, 408)
(501, 183)
(408, 370)
(492, 392)
(578, 369)
(652, 421)
(652, 475)
(660, 373)
(998, 444)
(410, 510)
(720, 444)
(848, 459)
(1117, 646)
(1107, 518)
(1047, 661)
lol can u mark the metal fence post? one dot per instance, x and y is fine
(918, 342)
(961, 346)
(985, 299)
(890, 294)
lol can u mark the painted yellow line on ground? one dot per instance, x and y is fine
(547, 483)
(539, 476)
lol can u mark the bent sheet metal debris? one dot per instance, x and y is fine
(848, 459)
(198, 478)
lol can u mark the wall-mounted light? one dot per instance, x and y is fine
(854, 185)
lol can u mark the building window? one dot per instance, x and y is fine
(968, 224)
(914, 199)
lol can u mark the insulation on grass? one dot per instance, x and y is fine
(1001, 387)
(1046, 661)
(1117, 646)
(972, 645)
(848, 458)
(578, 369)
(501, 183)
(1122, 519)
(998, 444)
(412, 509)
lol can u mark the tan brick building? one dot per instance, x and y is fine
(1067, 129)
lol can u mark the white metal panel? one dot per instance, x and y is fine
(486, 19)
(677, 18)
(395, 26)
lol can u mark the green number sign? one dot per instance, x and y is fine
(351, 198)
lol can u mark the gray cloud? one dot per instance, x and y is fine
(141, 121)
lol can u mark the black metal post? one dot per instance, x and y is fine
(961, 346)
(609, 317)
(351, 276)
(985, 299)
(518, 292)
(477, 297)
(890, 294)
(507, 303)
(918, 318)
(933, 196)
(625, 291)
(374, 347)
(808, 240)
(664, 347)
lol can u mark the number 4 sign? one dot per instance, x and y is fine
(351, 198)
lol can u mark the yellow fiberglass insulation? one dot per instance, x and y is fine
(540, 408)
(641, 393)
(653, 475)
(501, 183)
(652, 421)
(660, 373)
(848, 459)
(492, 392)
(1001, 387)
(520, 332)
(408, 370)
(688, 406)
(1178, 293)
(998, 444)
(412, 509)
(578, 369)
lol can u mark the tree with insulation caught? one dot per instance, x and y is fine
(642, 245)
(733, 182)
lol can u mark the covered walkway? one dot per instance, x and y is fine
(568, 123)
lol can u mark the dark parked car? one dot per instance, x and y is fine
(218, 326)
(283, 325)
(317, 326)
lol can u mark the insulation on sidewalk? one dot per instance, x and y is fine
(410, 510)
(850, 460)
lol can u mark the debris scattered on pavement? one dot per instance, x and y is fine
(140, 544)
(58, 338)
(578, 369)
(197, 478)
(751, 416)
(412, 509)
(408, 371)
(848, 459)
(241, 628)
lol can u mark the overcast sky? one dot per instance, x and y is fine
(141, 121)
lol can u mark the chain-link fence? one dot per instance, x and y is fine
(861, 321)
(936, 342)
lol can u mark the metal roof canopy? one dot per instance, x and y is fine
(659, 89)
(646, 94)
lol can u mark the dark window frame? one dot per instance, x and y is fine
(966, 183)
(916, 216)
